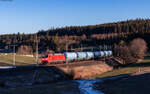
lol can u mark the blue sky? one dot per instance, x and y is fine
(30, 16)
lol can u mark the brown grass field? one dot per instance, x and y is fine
(7, 60)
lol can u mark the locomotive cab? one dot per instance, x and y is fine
(44, 59)
(51, 58)
(56, 58)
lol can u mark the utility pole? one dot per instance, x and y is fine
(66, 59)
(81, 47)
(99, 48)
(66, 46)
(37, 50)
(14, 56)
(14, 52)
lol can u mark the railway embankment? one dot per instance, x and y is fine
(85, 69)
(32, 75)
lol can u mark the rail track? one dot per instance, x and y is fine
(77, 63)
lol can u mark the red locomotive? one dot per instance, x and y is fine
(53, 58)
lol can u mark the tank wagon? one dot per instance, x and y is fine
(74, 56)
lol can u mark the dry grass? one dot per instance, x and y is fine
(144, 65)
(7, 60)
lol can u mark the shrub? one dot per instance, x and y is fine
(131, 53)
(123, 53)
(138, 48)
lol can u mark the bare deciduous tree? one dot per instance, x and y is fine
(131, 53)
(138, 48)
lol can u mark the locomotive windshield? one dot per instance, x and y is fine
(45, 56)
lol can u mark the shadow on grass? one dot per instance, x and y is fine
(130, 84)
(5, 64)
(138, 65)
(147, 57)
(17, 64)
(22, 75)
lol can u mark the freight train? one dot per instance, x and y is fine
(74, 56)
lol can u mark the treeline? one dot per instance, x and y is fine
(60, 39)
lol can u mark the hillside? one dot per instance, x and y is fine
(72, 37)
